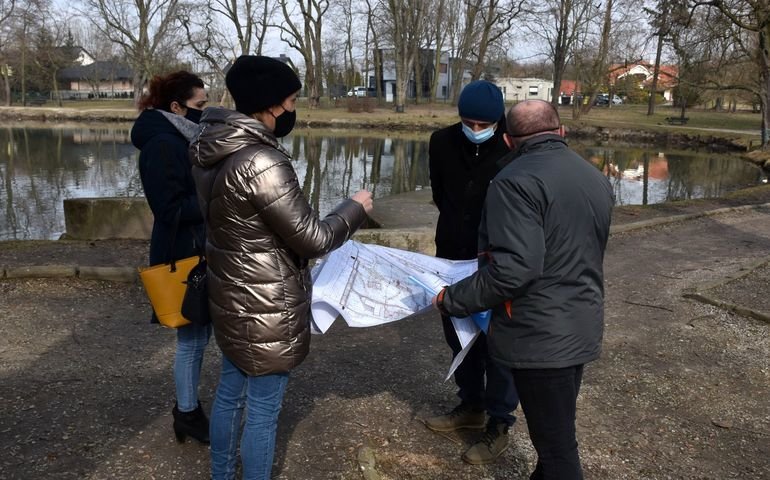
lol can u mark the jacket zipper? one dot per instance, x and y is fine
(477, 150)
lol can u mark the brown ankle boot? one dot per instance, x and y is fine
(462, 416)
(491, 445)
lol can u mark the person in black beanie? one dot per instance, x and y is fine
(463, 159)
(260, 234)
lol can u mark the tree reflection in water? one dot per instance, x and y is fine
(642, 176)
(39, 168)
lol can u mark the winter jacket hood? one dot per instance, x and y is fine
(152, 123)
(224, 132)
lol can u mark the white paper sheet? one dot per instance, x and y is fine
(369, 285)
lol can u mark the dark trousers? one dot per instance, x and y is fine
(548, 398)
(498, 394)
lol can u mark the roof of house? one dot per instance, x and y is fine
(99, 70)
(667, 74)
(569, 87)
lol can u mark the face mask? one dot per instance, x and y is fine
(284, 123)
(193, 115)
(480, 136)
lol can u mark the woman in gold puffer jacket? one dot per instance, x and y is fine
(261, 232)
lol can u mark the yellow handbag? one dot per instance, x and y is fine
(165, 285)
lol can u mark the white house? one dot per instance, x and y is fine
(519, 89)
(426, 57)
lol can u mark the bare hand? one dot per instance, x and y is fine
(364, 198)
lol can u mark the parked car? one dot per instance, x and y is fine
(357, 92)
(604, 99)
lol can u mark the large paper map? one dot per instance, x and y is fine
(369, 285)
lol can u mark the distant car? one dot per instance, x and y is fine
(357, 92)
(604, 99)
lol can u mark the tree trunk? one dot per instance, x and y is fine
(655, 73)
(6, 86)
(56, 94)
(764, 74)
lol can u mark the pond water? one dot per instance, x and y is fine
(40, 167)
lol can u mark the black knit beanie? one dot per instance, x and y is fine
(257, 83)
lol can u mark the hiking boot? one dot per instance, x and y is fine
(491, 445)
(463, 416)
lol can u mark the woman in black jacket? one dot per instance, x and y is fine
(168, 122)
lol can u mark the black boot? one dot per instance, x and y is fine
(194, 424)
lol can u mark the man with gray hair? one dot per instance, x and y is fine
(543, 233)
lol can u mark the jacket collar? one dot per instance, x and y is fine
(538, 142)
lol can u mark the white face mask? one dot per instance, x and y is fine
(480, 136)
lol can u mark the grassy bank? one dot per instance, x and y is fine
(740, 127)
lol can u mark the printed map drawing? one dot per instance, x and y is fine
(369, 285)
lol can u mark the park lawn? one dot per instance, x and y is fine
(636, 115)
(425, 117)
(98, 104)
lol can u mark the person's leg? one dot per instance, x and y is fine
(469, 375)
(501, 397)
(191, 342)
(548, 398)
(226, 417)
(264, 396)
(501, 401)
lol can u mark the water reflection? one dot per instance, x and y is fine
(40, 167)
(645, 176)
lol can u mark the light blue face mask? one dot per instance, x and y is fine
(480, 136)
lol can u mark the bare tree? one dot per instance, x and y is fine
(305, 38)
(496, 18)
(26, 23)
(6, 10)
(209, 39)
(464, 14)
(662, 23)
(54, 50)
(372, 27)
(406, 16)
(436, 34)
(138, 27)
(207, 25)
(752, 16)
(559, 23)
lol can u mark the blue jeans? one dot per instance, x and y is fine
(191, 341)
(262, 396)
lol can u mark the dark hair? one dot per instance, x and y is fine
(174, 87)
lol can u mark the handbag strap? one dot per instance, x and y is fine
(201, 244)
(169, 253)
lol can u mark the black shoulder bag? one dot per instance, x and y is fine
(195, 304)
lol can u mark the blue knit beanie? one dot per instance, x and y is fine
(481, 100)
